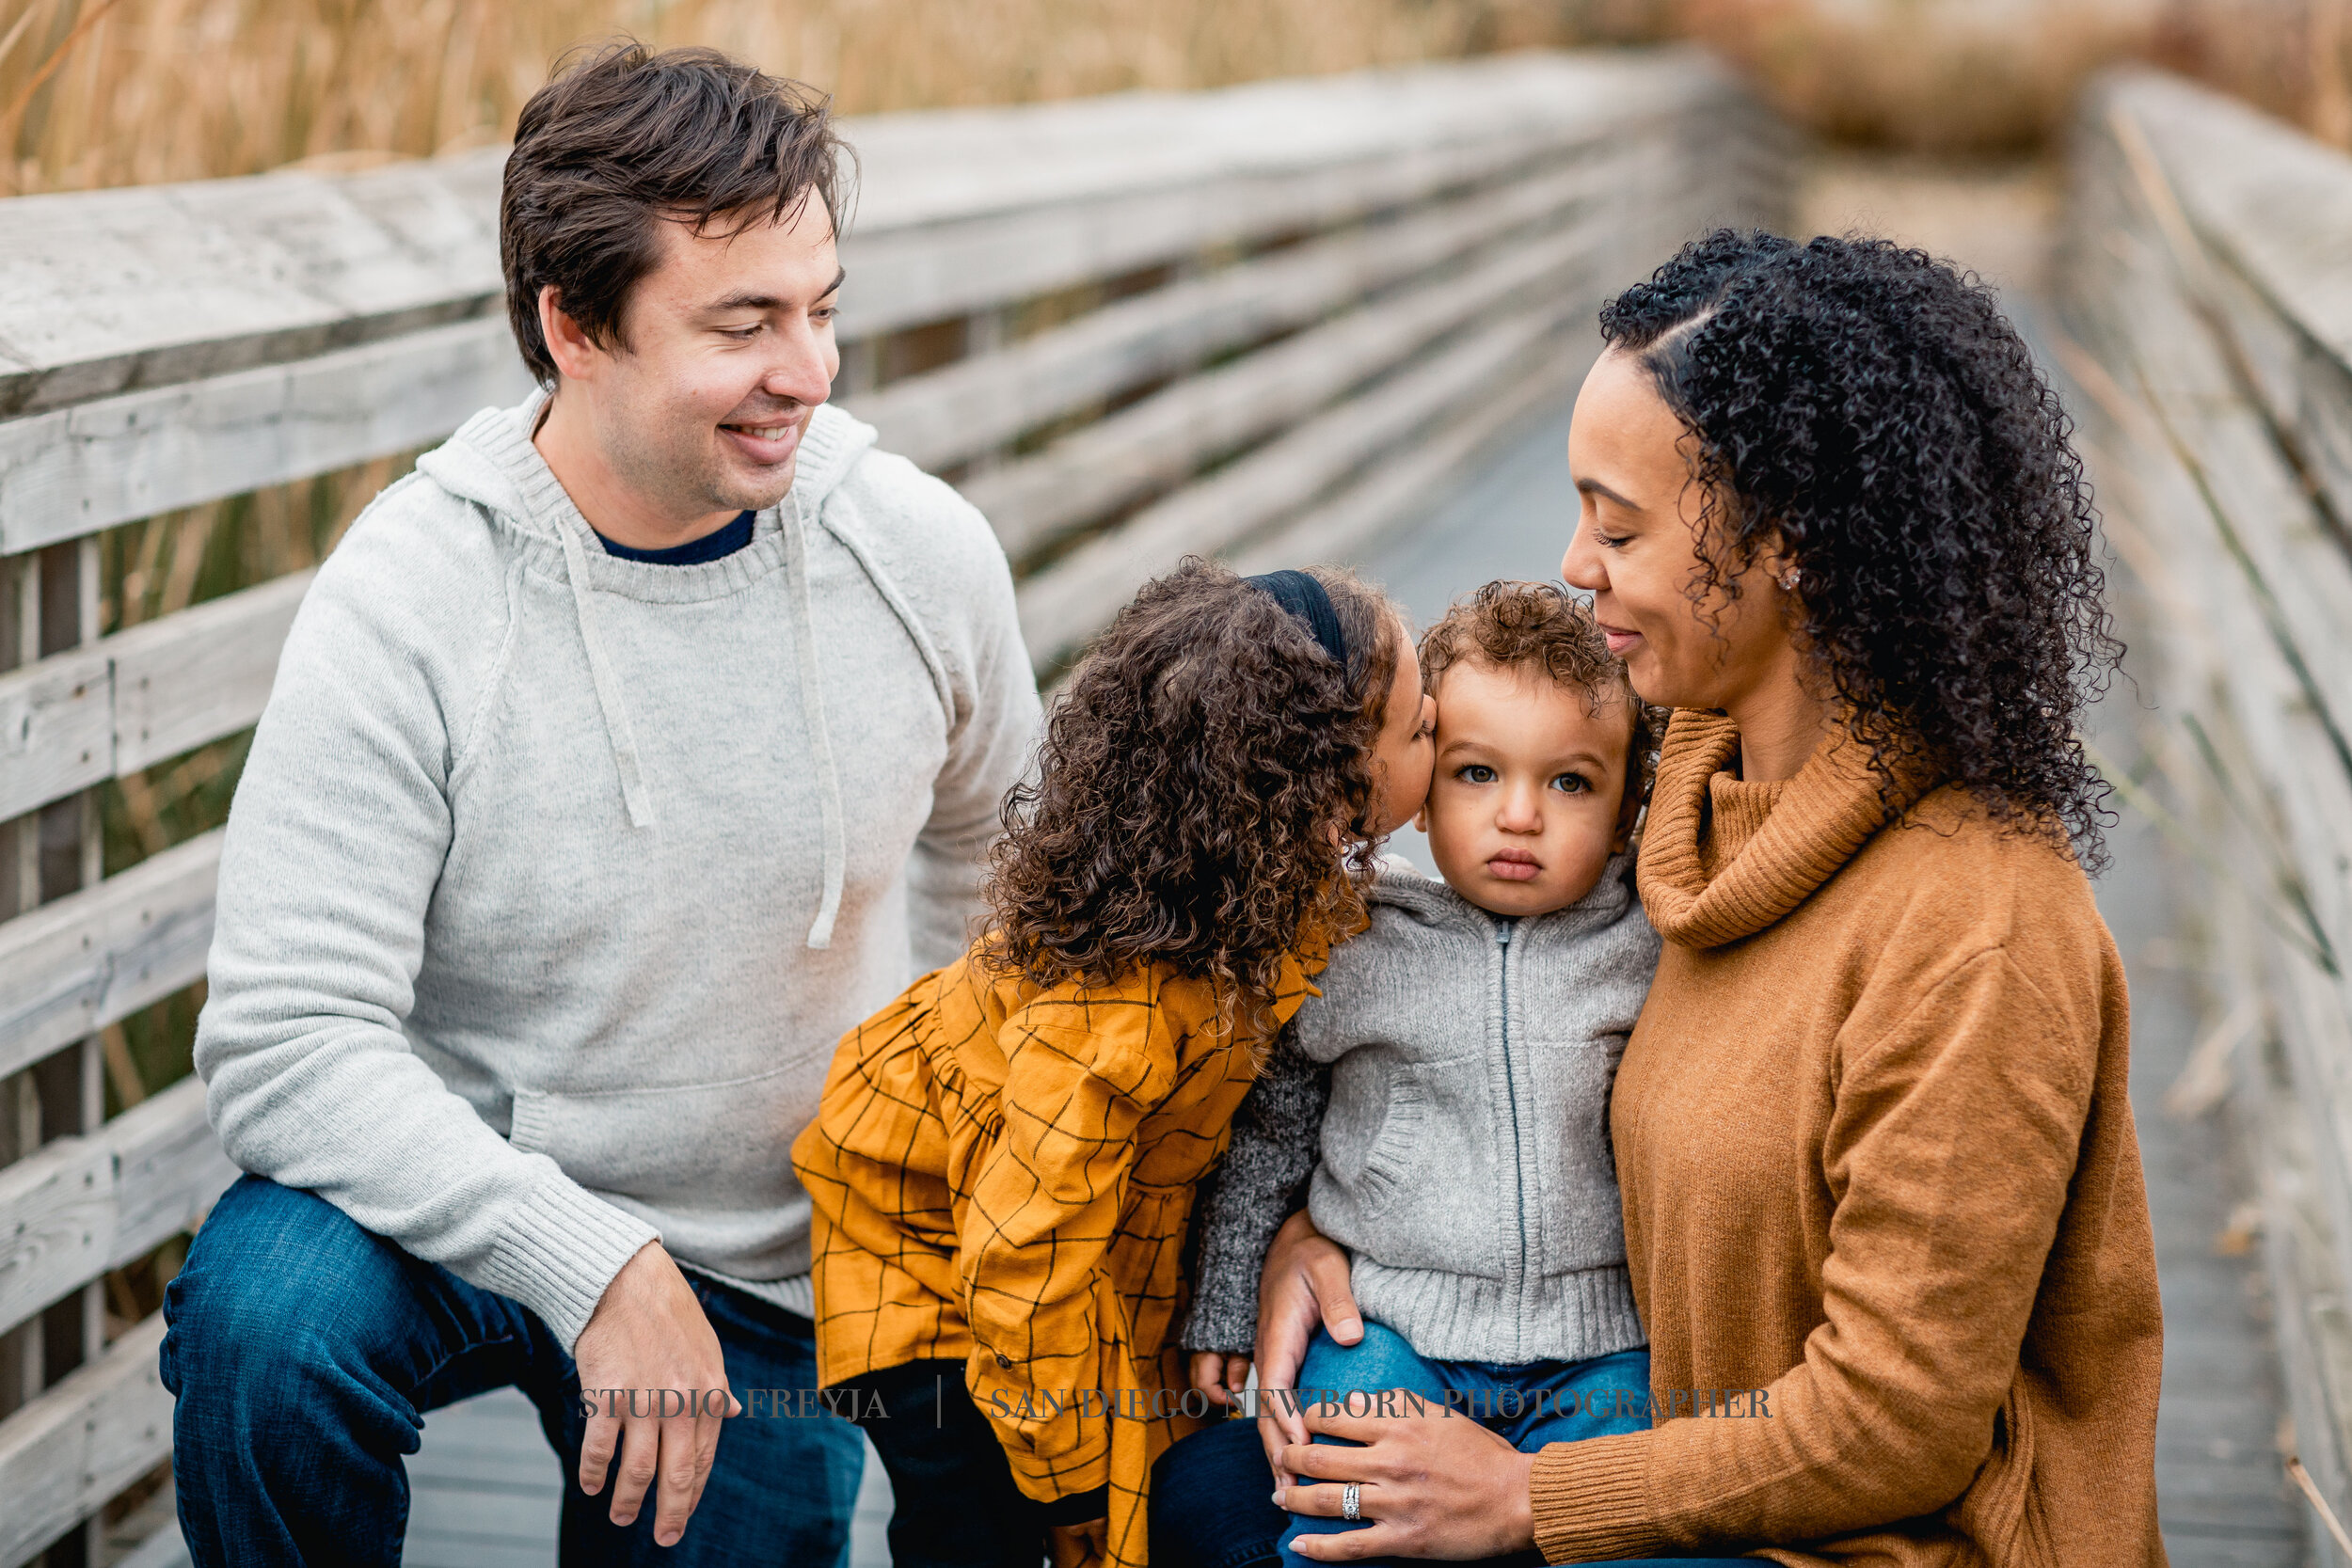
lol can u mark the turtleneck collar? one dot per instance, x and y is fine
(1722, 858)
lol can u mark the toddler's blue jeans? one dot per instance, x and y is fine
(1529, 1404)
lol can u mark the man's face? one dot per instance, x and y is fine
(729, 350)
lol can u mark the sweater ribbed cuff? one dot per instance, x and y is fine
(558, 1252)
(1588, 1500)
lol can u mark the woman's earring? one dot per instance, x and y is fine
(1789, 580)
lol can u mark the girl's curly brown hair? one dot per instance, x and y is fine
(1199, 792)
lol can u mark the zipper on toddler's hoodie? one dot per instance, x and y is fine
(1514, 1270)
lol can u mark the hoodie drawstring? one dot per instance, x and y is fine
(634, 791)
(820, 743)
(634, 794)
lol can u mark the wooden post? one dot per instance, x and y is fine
(89, 564)
(21, 1348)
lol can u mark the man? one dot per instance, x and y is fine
(620, 758)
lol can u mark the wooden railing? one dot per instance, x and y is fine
(1267, 323)
(2208, 278)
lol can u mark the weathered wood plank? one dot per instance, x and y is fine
(82, 1205)
(1068, 602)
(948, 415)
(63, 1455)
(205, 673)
(57, 729)
(75, 965)
(128, 701)
(56, 1224)
(1162, 439)
(2272, 200)
(1411, 481)
(103, 292)
(169, 1168)
(74, 470)
(905, 277)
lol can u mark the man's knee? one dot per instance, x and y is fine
(278, 1282)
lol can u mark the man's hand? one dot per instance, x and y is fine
(1220, 1376)
(1304, 1284)
(648, 1332)
(1077, 1545)
(1435, 1485)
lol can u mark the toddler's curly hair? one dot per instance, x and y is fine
(1200, 791)
(1541, 626)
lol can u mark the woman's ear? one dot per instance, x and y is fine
(1779, 563)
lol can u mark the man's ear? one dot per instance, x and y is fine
(574, 352)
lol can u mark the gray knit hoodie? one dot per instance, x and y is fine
(554, 878)
(1463, 1155)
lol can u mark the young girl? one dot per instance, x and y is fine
(1444, 1100)
(1001, 1170)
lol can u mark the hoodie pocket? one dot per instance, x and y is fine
(1388, 1161)
(689, 1146)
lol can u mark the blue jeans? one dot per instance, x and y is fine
(1211, 1503)
(305, 1352)
(1549, 1401)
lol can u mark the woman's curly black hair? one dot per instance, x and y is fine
(1870, 411)
(1199, 790)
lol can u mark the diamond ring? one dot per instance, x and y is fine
(1351, 1500)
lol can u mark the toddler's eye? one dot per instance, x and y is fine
(1477, 773)
(1571, 783)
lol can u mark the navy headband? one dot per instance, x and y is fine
(1309, 605)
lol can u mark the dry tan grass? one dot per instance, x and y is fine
(104, 92)
(1992, 76)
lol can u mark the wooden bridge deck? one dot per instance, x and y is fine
(485, 1487)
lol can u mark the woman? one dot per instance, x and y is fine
(1878, 1164)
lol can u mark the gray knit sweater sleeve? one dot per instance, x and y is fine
(1277, 1141)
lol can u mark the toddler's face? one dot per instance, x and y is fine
(1525, 804)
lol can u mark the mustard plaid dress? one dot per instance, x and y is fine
(1002, 1175)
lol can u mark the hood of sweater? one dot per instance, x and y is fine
(1723, 858)
(492, 462)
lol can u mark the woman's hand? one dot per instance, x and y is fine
(1075, 1545)
(1436, 1486)
(1304, 1284)
(1220, 1376)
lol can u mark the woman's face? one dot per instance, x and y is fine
(1637, 551)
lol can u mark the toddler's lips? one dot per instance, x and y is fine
(1514, 865)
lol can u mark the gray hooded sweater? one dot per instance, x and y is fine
(1449, 1091)
(553, 878)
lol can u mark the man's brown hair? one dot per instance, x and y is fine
(622, 139)
(1541, 626)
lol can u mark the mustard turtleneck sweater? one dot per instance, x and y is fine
(1877, 1162)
